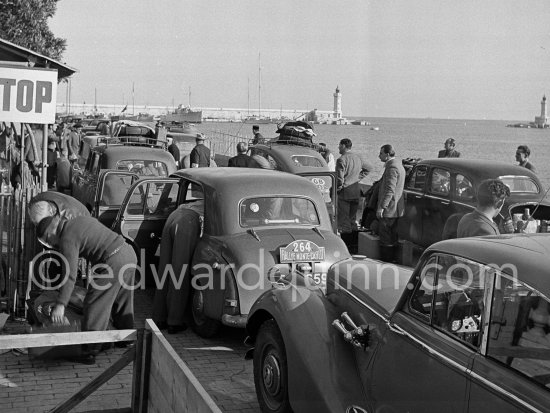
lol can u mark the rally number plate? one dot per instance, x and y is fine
(302, 251)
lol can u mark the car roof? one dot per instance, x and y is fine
(481, 168)
(118, 152)
(526, 254)
(284, 152)
(249, 182)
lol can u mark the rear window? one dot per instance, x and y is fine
(142, 167)
(520, 184)
(273, 211)
(306, 160)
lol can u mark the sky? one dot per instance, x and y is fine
(466, 59)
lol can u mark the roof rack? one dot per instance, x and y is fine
(132, 141)
(291, 140)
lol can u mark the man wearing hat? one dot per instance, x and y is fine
(449, 151)
(200, 155)
(110, 290)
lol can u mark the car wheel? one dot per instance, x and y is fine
(270, 370)
(202, 325)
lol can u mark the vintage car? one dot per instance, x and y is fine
(94, 127)
(437, 189)
(250, 222)
(290, 156)
(466, 331)
(106, 169)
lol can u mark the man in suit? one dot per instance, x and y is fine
(449, 151)
(242, 160)
(391, 203)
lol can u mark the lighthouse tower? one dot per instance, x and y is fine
(337, 103)
(542, 120)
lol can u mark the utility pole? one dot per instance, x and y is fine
(133, 100)
(259, 85)
(189, 98)
(248, 89)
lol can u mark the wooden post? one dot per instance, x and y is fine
(44, 171)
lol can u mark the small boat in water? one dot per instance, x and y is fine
(375, 128)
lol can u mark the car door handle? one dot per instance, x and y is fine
(444, 202)
(154, 236)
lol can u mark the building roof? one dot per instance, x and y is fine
(13, 54)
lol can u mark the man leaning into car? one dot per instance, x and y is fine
(491, 195)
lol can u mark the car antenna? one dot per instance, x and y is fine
(538, 203)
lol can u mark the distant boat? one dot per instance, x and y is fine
(183, 115)
(256, 120)
(375, 128)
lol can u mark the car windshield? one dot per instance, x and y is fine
(520, 184)
(306, 160)
(273, 211)
(142, 167)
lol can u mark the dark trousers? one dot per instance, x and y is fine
(111, 297)
(387, 231)
(179, 239)
(347, 214)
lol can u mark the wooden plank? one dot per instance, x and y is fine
(185, 385)
(145, 371)
(96, 383)
(121, 410)
(136, 376)
(61, 339)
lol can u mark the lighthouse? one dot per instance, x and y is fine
(337, 103)
(542, 120)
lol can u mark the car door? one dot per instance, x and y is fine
(410, 225)
(326, 183)
(143, 213)
(437, 205)
(512, 371)
(423, 362)
(112, 186)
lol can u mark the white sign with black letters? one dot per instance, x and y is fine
(27, 95)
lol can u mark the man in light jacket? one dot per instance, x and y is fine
(391, 204)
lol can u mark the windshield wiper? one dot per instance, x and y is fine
(254, 234)
(318, 231)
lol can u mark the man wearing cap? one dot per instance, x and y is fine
(449, 151)
(200, 155)
(242, 160)
(258, 137)
(50, 203)
(110, 292)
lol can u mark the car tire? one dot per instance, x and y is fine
(270, 370)
(202, 325)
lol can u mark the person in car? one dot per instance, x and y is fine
(449, 151)
(491, 194)
(522, 157)
(242, 160)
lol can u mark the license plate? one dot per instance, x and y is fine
(302, 251)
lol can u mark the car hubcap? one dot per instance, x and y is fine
(271, 375)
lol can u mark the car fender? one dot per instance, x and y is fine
(322, 367)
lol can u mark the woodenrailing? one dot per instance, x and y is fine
(161, 381)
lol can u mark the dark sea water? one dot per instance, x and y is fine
(423, 138)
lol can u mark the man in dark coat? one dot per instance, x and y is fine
(174, 151)
(258, 137)
(242, 160)
(449, 151)
(522, 157)
(200, 155)
(110, 293)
